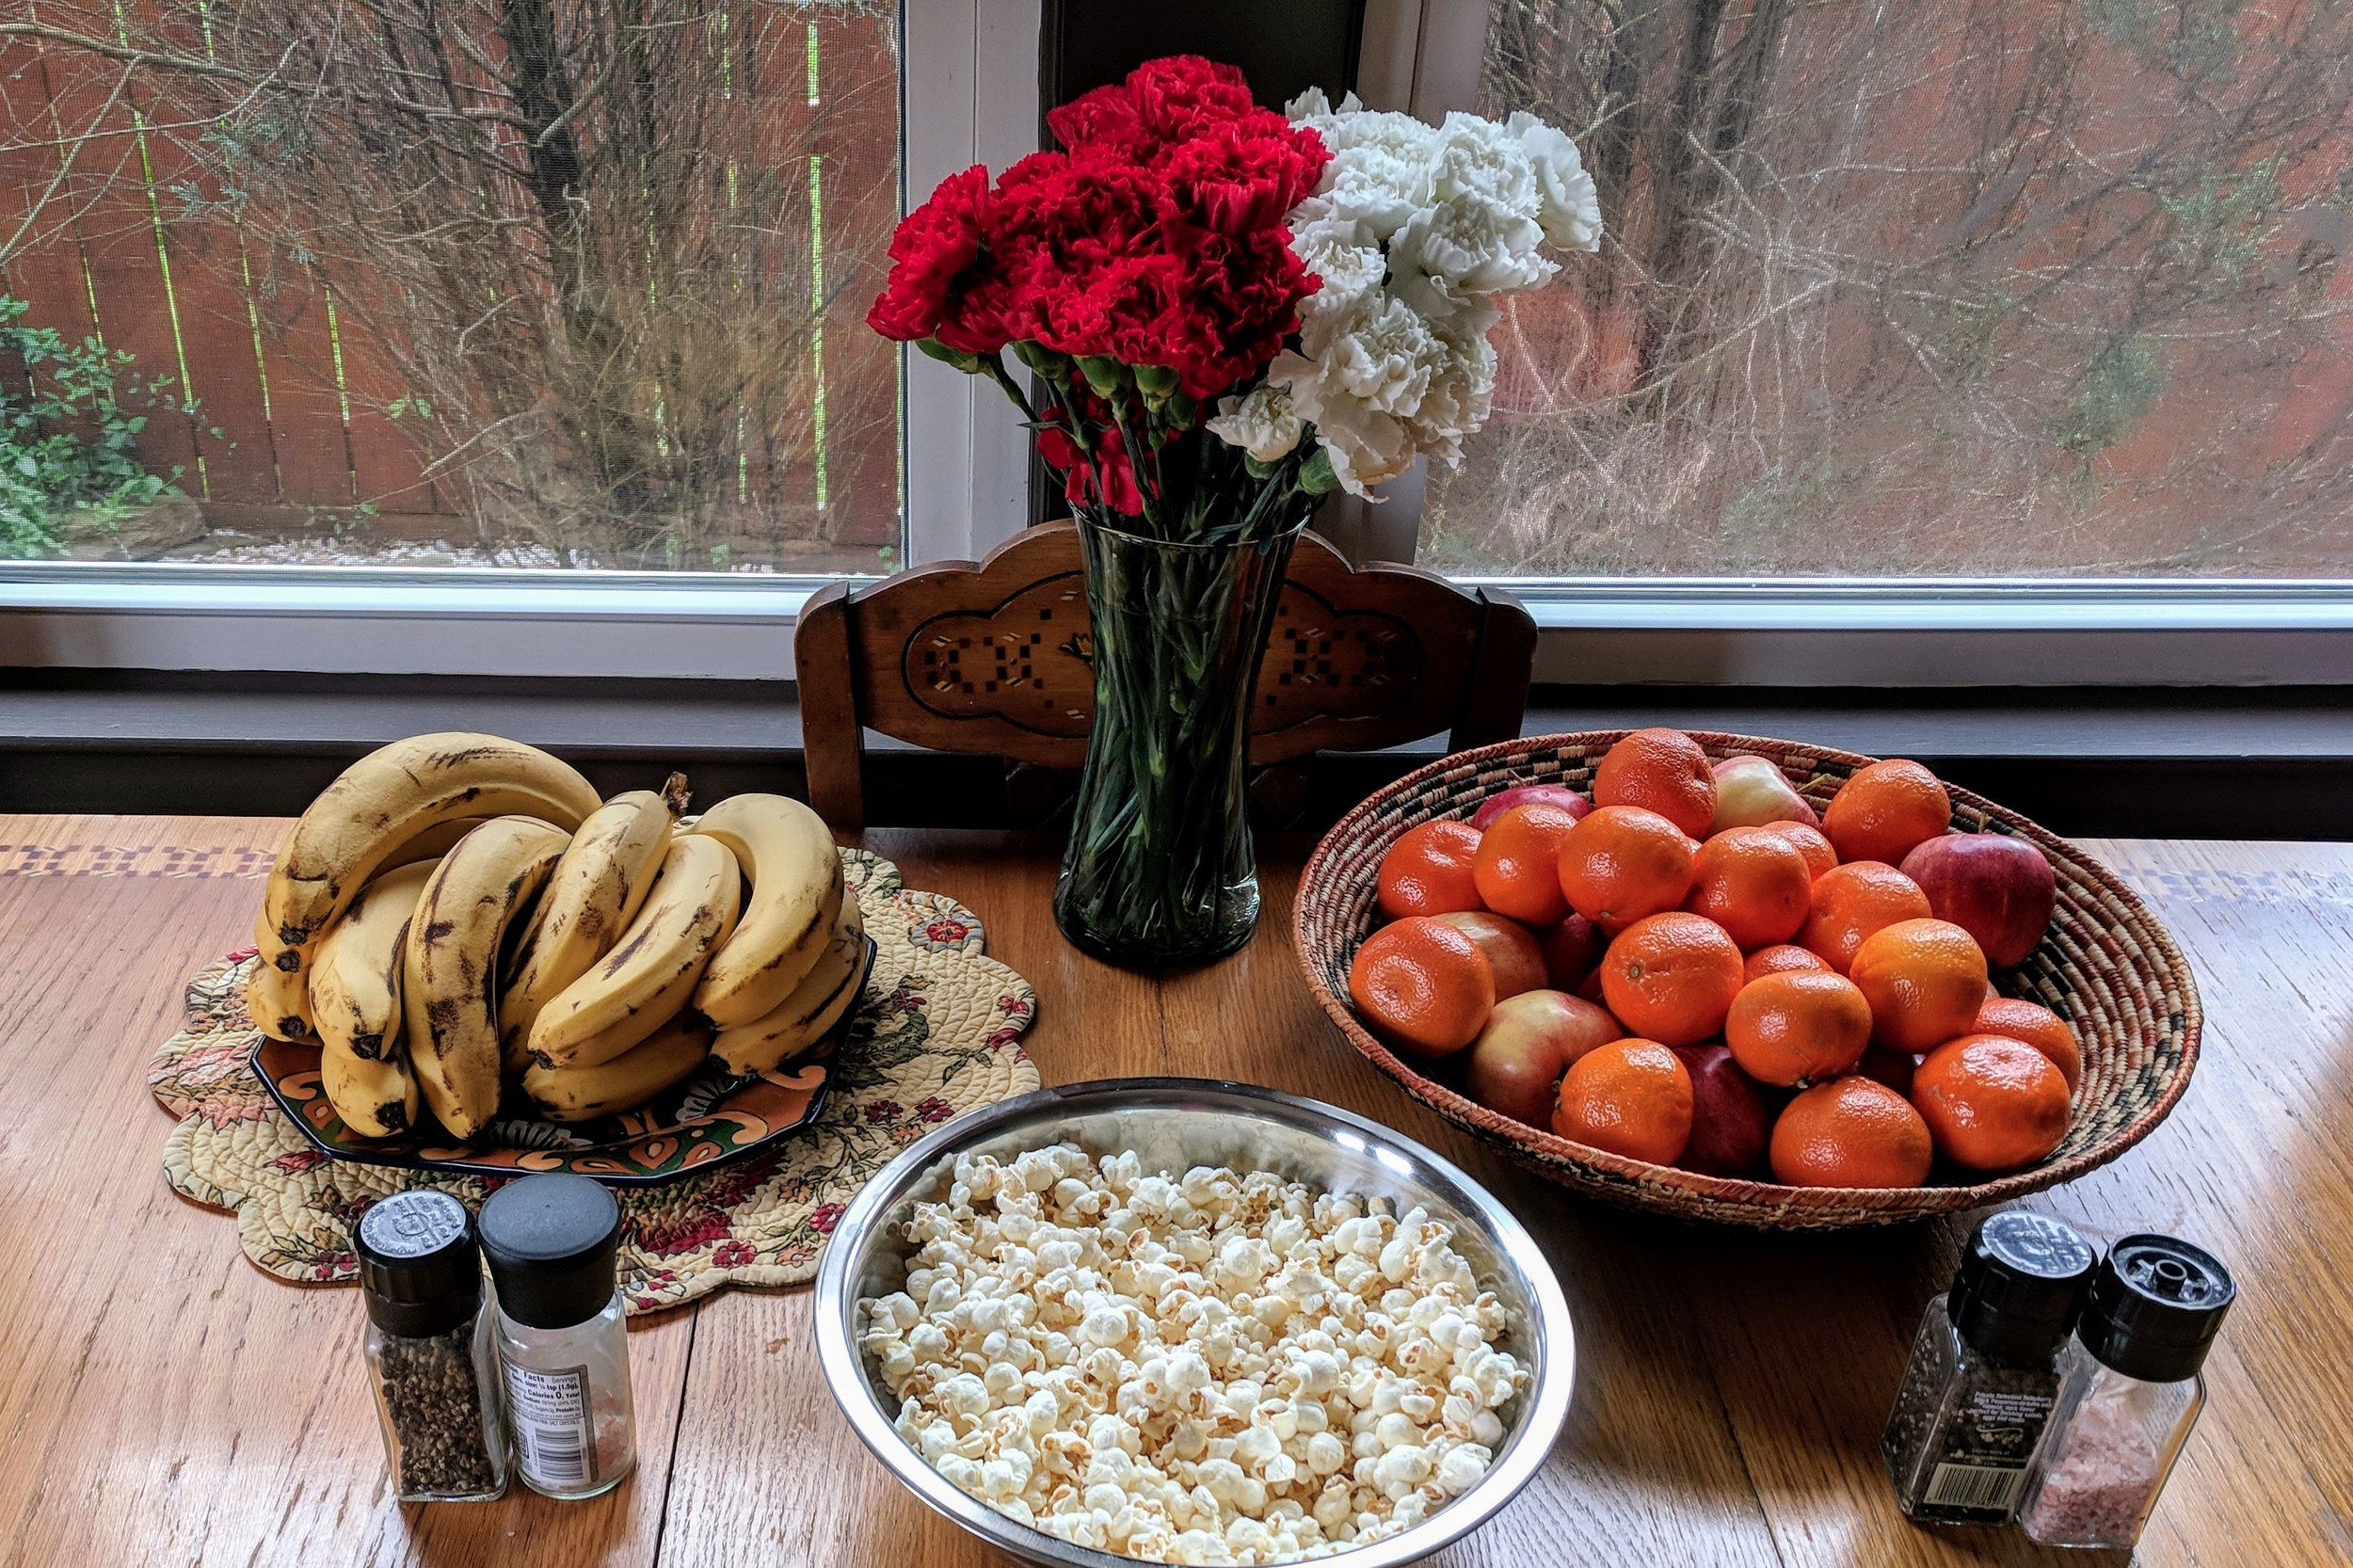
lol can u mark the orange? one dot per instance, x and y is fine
(1798, 1027)
(1632, 1098)
(2015, 1018)
(1754, 884)
(1886, 811)
(1925, 981)
(1423, 984)
(1781, 958)
(1991, 1104)
(1672, 978)
(1622, 863)
(1852, 902)
(1852, 1132)
(1662, 771)
(1819, 855)
(1517, 869)
(1429, 870)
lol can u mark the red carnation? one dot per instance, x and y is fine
(1241, 176)
(934, 246)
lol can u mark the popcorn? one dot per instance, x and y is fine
(1209, 1366)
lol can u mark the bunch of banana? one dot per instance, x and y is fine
(457, 916)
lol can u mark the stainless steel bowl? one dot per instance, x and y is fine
(1173, 1124)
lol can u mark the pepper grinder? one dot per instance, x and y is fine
(1985, 1371)
(553, 1244)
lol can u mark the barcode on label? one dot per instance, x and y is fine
(550, 1412)
(557, 1458)
(1993, 1487)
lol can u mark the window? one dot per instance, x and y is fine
(1902, 290)
(501, 283)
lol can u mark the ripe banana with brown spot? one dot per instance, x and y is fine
(629, 1080)
(597, 887)
(788, 856)
(647, 978)
(284, 999)
(376, 1098)
(390, 796)
(275, 998)
(356, 967)
(449, 977)
(827, 991)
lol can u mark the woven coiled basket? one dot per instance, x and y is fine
(2107, 966)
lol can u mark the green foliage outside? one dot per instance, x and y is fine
(67, 434)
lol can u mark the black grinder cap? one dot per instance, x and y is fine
(2154, 1309)
(2020, 1285)
(553, 1243)
(419, 1271)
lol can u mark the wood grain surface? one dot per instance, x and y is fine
(163, 1401)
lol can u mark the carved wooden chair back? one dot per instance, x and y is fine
(994, 658)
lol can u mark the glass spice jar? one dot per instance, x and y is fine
(1984, 1371)
(430, 1350)
(553, 1246)
(2132, 1389)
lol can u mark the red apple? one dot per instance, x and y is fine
(1732, 1115)
(1571, 951)
(1889, 1067)
(1753, 790)
(1529, 795)
(1509, 947)
(1997, 888)
(1516, 1064)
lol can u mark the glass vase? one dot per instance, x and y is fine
(1160, 870)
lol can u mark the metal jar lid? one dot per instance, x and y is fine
(419, 1271)
(2020, 1285)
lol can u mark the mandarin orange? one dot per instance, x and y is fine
(1798, 1027)
(1753, 882)
(1886, 811)
(1428, 870)
(1517, 869)
(1622, 863)
(1781, 958)
(1993, 1103)
(1852, 1132)
(1662, 771)
(1632, 1098)
(1672, 977)
(1852, 901)
(1819, 855)
(1925, 981)
(1423, 986)
(2015, 1018)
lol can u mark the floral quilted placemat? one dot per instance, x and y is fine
(939, 1032)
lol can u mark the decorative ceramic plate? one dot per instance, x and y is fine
(711, 1118)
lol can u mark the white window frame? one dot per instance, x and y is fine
(968, 95)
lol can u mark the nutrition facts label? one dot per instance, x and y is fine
(550, 1413)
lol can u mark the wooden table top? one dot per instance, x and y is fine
(164, 1401)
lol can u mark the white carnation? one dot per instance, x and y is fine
(1568, 207)
(1262, 423)
(1478, 157)
(1416, 232)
